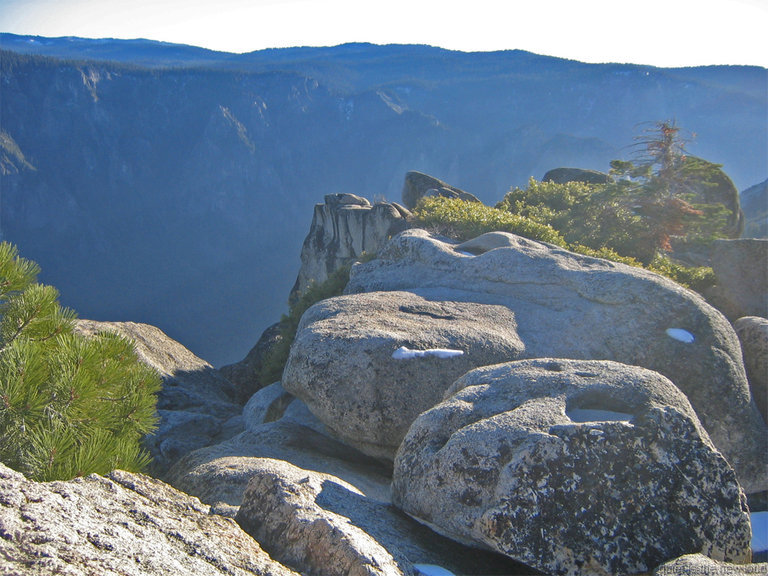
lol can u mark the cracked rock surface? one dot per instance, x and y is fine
(572, 467)
(124, 524)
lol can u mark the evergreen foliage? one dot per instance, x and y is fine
(593, 216)
(666, 196)
(69, 405)
(696, 278)
(561, 204)
(464, 220)
(676, 195)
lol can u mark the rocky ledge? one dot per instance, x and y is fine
(496, 407)
(127, 524)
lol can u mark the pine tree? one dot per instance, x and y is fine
(676, 194)
(69, 405)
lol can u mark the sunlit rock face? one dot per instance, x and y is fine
(753, 335)
(348, 365)
(122, 523)
(701, 564)
(344, 228)
(573, 467)
(323, 525)
(570, 306)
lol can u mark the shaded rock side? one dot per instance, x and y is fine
(574, 468)
(343, 228)
(323, 526)
(268, 405)
(754, 203)
(571, 306)
(741, 270)
(123, 524)
(197, 405)
(753, 335)
(418, 185)
(219, 474)
(342, 366)
(244, 375)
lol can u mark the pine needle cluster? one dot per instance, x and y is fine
(69, 405)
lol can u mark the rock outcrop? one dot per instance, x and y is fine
(343, 363)
(418, 185)
(741, 269)
(343, 229)
(219, 474)
(280, 509)
(574, 468)
(564, 175)
(196, 405)
(753, 335)
(123, 524)
(323, 526)
(571, 306)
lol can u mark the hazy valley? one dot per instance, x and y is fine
(179, 194)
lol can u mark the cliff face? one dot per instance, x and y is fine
(180, 197)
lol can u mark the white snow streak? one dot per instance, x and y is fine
(404, 353)
(681, 335)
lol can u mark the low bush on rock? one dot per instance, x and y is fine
(274, 362)
(69, 405)
(665, 201)
(464, 220)
(696, 278)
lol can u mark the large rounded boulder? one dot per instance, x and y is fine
(571, 306)
(368, 364)
(572, 467)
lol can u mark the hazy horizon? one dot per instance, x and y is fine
(694, 32)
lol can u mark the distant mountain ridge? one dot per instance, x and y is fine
(173, 185)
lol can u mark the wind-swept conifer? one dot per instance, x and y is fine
(69, 405)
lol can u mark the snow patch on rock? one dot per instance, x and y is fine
(404, 353)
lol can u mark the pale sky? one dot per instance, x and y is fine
(657, 32)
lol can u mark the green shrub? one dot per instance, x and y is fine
(590, 215)
(463, 220)
(69, 405)
(697, 278)
(595, 220)
(581, 206)
(274, 361)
